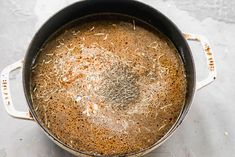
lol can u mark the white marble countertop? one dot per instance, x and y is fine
(209, 128)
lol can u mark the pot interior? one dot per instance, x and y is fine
(130, 8)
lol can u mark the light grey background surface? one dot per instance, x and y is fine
(209, 128)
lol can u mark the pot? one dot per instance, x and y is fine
(126, 7)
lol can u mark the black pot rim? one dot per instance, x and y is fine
(29, 61)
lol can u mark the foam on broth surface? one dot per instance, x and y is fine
(108, 86)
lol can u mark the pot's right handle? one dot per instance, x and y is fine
(209, 57)
(6, 94)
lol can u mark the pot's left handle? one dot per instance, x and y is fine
(6, 94)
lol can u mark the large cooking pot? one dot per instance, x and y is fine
(127, 7)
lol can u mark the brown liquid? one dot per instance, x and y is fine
(108, 86)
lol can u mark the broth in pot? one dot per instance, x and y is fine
(108, 85)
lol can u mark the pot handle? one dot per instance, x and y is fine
(6, 94)
(209, 58)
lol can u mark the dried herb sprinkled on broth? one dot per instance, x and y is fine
(108, 85)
